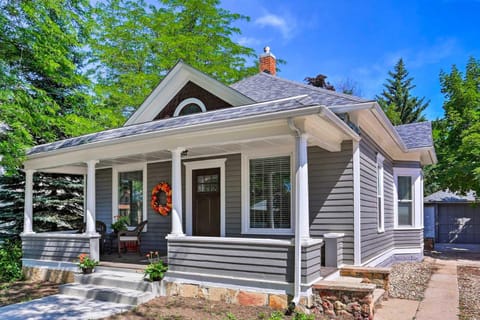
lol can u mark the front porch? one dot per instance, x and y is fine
(263, 238)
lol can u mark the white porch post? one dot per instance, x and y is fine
(28, 206)
(90, 229)
(302, 213)
(177, 212)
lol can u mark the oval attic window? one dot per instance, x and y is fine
(189, 106)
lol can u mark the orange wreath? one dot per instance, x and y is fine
(163, 209)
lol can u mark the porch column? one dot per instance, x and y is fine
(301, 191)
(91, 197)
(177, 212)
(28, 206)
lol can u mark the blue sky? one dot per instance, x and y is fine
(362, 40)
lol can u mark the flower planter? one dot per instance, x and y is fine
(87, 270)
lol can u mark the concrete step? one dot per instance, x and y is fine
(103, 293)
(349, 279)
(124, 280)
(378, 296)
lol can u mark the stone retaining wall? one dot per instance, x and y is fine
(45, 274)
(227, 295)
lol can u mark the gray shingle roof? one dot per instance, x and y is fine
(178, 122)
(265, 87)
(448, 196)
(416, 135)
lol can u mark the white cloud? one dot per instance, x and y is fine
(249, 41)
(283, 24)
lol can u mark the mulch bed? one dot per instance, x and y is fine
(409, 280)
(469, 291)
(22, 291)
(176, 308)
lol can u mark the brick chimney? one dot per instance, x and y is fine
(267, 62)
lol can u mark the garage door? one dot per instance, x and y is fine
(458, 223)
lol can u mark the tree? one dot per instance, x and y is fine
(135, 44)
(320, 81)
(457, 136)
(349, 86)
(396, 100)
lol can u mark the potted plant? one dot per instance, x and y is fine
(86, 264)
(120, 224)
(155, 271)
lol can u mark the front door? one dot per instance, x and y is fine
(206, 202)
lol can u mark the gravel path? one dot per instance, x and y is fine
(409, 280)
(469, 290)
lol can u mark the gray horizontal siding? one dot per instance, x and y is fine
(103, 193)
(311, 262)
(330, 177)
(374, 243)
(408, 238)
(244, 261)
(67, 249)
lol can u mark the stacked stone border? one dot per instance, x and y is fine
(378, 276)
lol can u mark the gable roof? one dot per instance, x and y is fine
(416, 135)
(264, 87)
(173, 82)
(449, 196)
(184, 122)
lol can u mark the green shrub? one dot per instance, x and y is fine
(303, 316)
(10, 260)
(276, 316)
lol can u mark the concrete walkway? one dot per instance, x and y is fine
(440, 301)
(61, 307)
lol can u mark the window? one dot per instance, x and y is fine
(269, 195)
(408, 197)
(380, 197)
(129, 193)
(405, 201)
(189, 106)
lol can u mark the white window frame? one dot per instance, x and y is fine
(417, 197)
(140, 166)
(188, 101)
(205, 164)
(380, 193)
(261, 154)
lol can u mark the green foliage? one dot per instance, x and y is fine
(135, 44)
(121, 224)
(58, 203)
(156, 269)
(85, 262)
(277, 315)
(302, 316)
(457, 136)
(396, 100)
(10, 260)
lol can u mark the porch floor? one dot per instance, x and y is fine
(128, 260)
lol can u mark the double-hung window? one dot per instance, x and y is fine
(408, 197)
(267, 207)
(380, 194)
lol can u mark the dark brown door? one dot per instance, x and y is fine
(206, 202)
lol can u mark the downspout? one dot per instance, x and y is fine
(298, 240)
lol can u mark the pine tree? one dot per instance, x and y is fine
(396, 100)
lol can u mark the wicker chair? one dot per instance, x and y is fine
(131, 236)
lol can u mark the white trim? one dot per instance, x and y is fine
(417, 197)
(52, 265)
(116, 169)
(378, 259)
(357, 225)
(256, 241)
(204, 164)
(245, 191)
(380, 193)
(188, 101)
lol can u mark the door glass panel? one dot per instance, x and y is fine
(207, 183)
(130, 196)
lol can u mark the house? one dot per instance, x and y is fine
(263, 174)
(451, 217)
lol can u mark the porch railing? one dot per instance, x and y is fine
(241, 261)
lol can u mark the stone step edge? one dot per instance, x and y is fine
(365, 270)
(345, 286)
(89, 287)
(378, 296)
